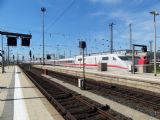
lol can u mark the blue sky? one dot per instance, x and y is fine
(67, 21)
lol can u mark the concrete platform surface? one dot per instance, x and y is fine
(117, 73)
(21, 100)
(134, 114)
(146, 81)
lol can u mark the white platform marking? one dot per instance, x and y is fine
(20, 111)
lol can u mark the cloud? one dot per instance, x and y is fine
(121, 15)
(106, 1)
(142, 27)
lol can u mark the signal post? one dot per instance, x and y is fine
(12, 41)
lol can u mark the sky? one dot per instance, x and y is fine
(68, 21)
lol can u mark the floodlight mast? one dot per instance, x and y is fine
(155, 13)
(3, 69)
(43, 9)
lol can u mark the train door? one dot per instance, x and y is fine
(78, 61)
(95, 61)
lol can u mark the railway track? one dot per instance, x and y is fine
(71, 105)
(144, 101)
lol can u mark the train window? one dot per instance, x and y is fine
(124, 58)
(114, 58)
(79, 59)
(70, 61)
(105, 58)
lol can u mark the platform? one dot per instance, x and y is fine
(129, 112)
(146, 81)
(21, 100)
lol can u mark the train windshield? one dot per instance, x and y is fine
(124, 58)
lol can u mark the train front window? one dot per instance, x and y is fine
(114, 58)
(105, 58)
(79, 59)
(124, 58)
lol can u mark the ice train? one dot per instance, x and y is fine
(114, 61)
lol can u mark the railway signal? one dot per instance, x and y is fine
(144, 49)
(13, 57)
(48, 57)
(30, 54)
(33, 57)
(82, 45)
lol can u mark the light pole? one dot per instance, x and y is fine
(43, 9)
(154, 13)
(3, 71)
(150, 43)
(8, 57)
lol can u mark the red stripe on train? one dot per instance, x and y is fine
(114, 66)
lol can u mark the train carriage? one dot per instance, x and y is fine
(114, 61)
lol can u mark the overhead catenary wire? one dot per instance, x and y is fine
(60, 15)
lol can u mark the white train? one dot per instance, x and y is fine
(114, 61)
(0, 60)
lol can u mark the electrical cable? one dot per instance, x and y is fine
(61, 14)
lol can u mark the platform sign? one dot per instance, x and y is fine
(12, 41)
(25, 41)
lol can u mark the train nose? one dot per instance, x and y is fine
(129, 65)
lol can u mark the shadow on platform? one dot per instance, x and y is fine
(21, 98)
